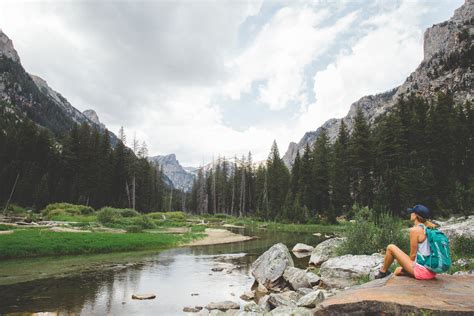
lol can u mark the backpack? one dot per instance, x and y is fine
(439, 259)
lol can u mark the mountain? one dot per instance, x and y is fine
(446, 67)
(34, 97)
(179, 176)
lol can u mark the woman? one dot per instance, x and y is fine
(418, 245)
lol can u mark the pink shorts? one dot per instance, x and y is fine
(422, 273)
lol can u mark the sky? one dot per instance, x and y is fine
(203, 79)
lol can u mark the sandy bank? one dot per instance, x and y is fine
(219, 236)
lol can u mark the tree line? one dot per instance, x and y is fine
(419, 152)
(81, 167)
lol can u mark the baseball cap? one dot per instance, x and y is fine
(419, 209)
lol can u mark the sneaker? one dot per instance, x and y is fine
(381, 275)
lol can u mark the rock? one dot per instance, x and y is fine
(6, 232)
(264, 304)
(346, 270)
(269, 267)
(296, 277)
(259, 290)
(311, 299)
(189, 309)
(313, 278)
(464, 272)
(302, 311)
(223, 306)
(463, 262)
(216, 312)
(302, 248)
(325, 250)
(147, 296)
(282, 311)
(279, 299)
(317, 234)
(247, 296)
(304, 290)
(253, 307)
(219, 269)
(202, 312)
(444, 295)
(458, 227)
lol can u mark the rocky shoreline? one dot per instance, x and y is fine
(280, 288)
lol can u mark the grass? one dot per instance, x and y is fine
(291, 228)
(33, 243)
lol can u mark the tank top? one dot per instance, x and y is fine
(424, 246)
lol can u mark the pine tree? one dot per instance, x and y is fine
(361, 153)
(321, 162)
(341, 197)
(277, 181)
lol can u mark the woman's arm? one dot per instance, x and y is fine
(413, 243)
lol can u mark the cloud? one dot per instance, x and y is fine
(387, 52)
(166, 70)
(278, 56)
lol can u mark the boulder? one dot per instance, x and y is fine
(464, 272)
(253, 307)
(259, 290)
(282, 311)
(313, 278)
(325, 250)
(302, 248)
(311, 299)
(281, 299)
(444, 295)
(270, 266)
(303, 291)
(264, 304)
(297, 278)
(190, 309)
(347, 270)
(223, 306)
(458, 227)
(247, 296)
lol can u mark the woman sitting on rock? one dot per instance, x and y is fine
(418, 245)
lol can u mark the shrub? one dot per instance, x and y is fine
(175, 215)
(157, 215)
(67, 208)
(128, 212)
(144, 222)
(14, 209)
(462, 247)
(371, 233)
(108, 215)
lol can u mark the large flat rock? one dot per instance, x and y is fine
(444, 295)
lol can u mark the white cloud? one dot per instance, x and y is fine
(277, 58)
(380, 60)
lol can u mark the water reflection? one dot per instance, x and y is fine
(172, 275)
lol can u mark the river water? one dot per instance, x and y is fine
(104, 284)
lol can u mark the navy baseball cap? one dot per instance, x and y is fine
(419, 209)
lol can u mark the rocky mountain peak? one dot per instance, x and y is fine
(7, 49)
(179, 176)
(446, 67)
(93, 117)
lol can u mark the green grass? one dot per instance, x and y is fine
(34, 243)
(301, 228)
(6, 227)
(74, 218)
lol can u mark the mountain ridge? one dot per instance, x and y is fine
(444, 43)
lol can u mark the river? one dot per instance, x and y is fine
(104, 284)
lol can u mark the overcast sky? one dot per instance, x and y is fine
(207, 78)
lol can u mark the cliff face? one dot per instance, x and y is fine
(446, 67)
(33, 96)
(179, 177)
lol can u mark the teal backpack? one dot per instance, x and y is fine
(439, 260)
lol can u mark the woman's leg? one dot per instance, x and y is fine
(393, 252)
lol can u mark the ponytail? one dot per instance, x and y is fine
(425, 222)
